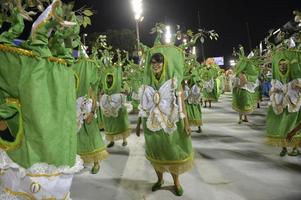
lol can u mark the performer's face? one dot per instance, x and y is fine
(283, 66)
(157, 66)
(109, 80)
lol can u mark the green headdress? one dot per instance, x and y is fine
(173, 65)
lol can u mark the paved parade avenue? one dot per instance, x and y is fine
(231, 163)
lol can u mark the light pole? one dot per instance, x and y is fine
(137, 8)
(84, 38)
(167, 35)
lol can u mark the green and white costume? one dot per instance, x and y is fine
(115, 115)
(244, 95)
(209, 76)
(37, 102)
(284, 110)
(167, 145)
(90, 145)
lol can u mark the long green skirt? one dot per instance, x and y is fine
(278, 126)
(90, 145)
(169, 152)
(117, 128)
(257, 95)
(243, 101)
(194, 114)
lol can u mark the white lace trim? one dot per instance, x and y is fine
(285, 95)
(40, 168)
(110, 104)
(160, 107)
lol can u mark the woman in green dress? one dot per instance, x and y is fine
(210, 84)
(284, 111)
(166, 130)
(90, 145)
(115, 115)
(244, 87)
(192, 95)
(192, 92)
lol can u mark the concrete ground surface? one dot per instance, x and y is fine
(231, 163)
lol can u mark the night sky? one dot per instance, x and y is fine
(227, 17)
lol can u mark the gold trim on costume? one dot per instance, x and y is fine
(29, 196)
(9, 146)
(20, 194)
(29, 53)
(43, 175)
(173, 167)
(195, 122)
(166, 162)
(57, 60)
(247, 111)
(16, 50)
(282, 142)
(94, 156)
(118, 136)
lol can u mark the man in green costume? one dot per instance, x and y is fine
(166, 130)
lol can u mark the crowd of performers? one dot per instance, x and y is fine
(53, 105)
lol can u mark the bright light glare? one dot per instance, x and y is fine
(167, 35)
(137, 8)
(232, 63)
(194, 50)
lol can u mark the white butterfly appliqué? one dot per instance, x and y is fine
(193, 94)
(110, 104)
(160, 107)
(285, 95)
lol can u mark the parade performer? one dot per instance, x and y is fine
(37, 106)
(115, 115)
(210, 86)
(192, 92)
(284, 112)
(167, 135)
(244, 86)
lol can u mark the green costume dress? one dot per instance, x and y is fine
(167, 145)
(243, 95)
(193, 104)
(37, 97)
(90, 145)
(210, 83)
(284, 112)
(115, 116)
(192, 91)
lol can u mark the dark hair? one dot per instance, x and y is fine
(158, 57)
